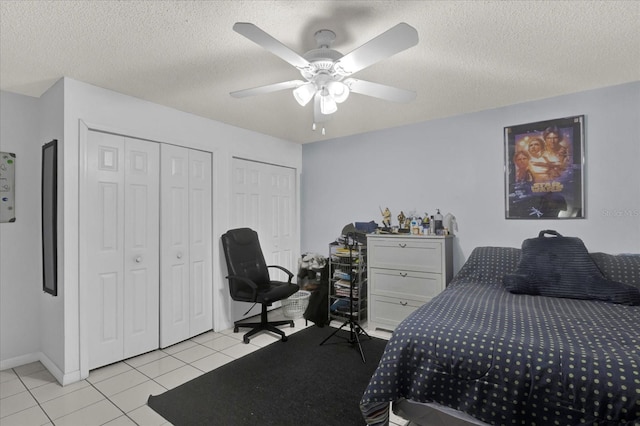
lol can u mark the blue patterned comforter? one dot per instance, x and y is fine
(509, 359)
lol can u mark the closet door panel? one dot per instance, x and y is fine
(105, 231)
(282, 204)
(174, 254)
(142, 245)
(200, 242)
(247, 209)
(264, 199)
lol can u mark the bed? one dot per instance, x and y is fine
(495, 357)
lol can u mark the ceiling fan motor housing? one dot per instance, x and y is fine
(321, 59)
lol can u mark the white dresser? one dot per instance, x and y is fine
(405, 272)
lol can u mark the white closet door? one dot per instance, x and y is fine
(141, 247)
(122, 224)
(200, 243)
(264, 199)
(105, 162)
(174, 235)
(282, 186)
(186, 247)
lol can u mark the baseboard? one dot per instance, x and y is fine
(19, 360)
(223, 324)
(62, 378)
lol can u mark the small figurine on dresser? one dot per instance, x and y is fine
(401, 219)
(386, 217)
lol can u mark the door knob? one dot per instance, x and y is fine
(138, 259)
(179, 255)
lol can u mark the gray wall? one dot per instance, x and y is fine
(20, 258)
(457, 165)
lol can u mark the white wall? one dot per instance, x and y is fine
(89, 106)
(456, 165)
(20, 265)
(52, 330)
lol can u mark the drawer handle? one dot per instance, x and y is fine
(403, 274)
(404, 303)
(402, 245)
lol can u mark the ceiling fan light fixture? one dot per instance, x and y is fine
(338, 90)
(327, 104)
(304, 93)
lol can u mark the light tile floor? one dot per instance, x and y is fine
(116, 395)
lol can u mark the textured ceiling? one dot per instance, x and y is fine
(472, 55)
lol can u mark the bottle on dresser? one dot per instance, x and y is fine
(438, 223)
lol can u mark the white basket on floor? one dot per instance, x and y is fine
(294, 306)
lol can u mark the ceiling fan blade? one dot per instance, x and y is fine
(269, 88)
(318, 116)
(392, 41)
(381, 91)
(263, 39)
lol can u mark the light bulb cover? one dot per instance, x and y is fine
(304, 93)
(327, 104)
(338, 90)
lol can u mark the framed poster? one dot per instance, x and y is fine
(49, 200)
(544, 169)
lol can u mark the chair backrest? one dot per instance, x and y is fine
(245, 259)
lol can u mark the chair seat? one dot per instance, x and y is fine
(279, 290)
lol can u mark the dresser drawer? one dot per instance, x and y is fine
(388, 312)
(419, 286)
(413, 254)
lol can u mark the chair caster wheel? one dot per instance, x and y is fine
(245, 340)
(291, 324)
(285, 338)
(235, 329)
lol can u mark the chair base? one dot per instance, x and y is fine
(263, 325)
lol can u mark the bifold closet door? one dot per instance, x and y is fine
(264, 199)
(186, 244)
(123, 247)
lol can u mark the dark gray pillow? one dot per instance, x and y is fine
(562, 267)
(624, 268)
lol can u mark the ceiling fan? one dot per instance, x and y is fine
(327, 72)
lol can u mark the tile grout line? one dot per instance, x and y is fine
(32, 396)
(150, 379)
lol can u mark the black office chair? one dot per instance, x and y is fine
(249, 279)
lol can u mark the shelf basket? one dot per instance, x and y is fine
(294, 306)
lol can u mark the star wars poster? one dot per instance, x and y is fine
(543, 169)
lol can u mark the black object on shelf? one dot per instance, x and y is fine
(355, 330)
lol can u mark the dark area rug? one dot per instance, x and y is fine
(297, 382)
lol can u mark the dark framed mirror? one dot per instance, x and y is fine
(49, 192)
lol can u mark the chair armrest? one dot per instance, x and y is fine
(288, 272)
(247, 281)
